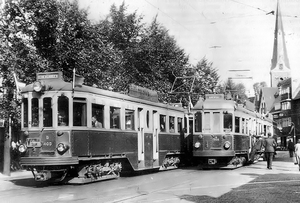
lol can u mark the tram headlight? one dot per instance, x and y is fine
(227, 145)
(197, 145)
(62, 148)
(22, 148)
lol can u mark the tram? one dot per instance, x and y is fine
(226, 134)
(81, 134)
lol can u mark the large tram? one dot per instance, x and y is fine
(81, 134)
(226, 134)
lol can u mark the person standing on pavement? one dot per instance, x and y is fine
(297, 153)
(291, 148)
(269, 145)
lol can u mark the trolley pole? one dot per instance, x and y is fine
(7, 158)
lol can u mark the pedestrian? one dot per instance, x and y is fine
(297, 153)
(291, 148)
(270, 145)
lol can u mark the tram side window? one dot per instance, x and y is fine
(47, 112)
(216, 122)
(97, 115)
(63, 111)
(172, 124)
(35, 112)
(179, 125)
(162, 120)
(147, 119)
(25, 115)
(243, 125)
(114, 118)
(79, 112)
(129, 119)
(227, 122)
(198, 122)
(237, 124)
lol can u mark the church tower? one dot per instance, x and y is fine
(280, 68)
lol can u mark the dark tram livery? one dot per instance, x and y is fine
(82, 134)
(226, 134)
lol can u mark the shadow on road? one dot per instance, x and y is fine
(275, 188)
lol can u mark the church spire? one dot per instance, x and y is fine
(280, 68)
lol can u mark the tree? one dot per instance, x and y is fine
(236, 90)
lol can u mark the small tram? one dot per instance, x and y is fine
(226, 134)
(81, 134)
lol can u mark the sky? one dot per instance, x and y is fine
(232, 34)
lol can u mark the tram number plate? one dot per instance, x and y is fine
(212, 161)
(34, 142)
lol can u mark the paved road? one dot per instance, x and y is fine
(254, 183)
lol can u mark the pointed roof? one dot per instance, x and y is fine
(269, 95)
(280, 57)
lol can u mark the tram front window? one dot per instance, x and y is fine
(47, 112)
(162, 119)
(198, 122)
(63, 111)
(129, 119)
(79, 112)
(35, 112)
(227, 122)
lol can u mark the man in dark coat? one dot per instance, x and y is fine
(269, 145)
(291, 148)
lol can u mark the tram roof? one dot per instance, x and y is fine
(60, 85)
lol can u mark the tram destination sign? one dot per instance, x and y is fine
(142, 93)
(214, 96)
(49, 75)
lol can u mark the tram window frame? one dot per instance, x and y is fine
(79, 112)
(129, 119)
(62, 111)
(98, 114)
(35, 112)
(198, 121)
(47, 112)
(162, 122)
(114, 115)
(171, 124)
(179, 124)
(227, 122)
(25, 112)
(237, 124)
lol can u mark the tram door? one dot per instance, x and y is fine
(155, 124)
(148, 144)
(141, 149)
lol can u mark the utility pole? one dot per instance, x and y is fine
(7, 158)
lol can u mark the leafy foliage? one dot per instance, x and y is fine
(54, 35)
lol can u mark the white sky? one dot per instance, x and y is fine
(241, 29)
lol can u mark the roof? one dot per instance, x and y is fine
(269, 95)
